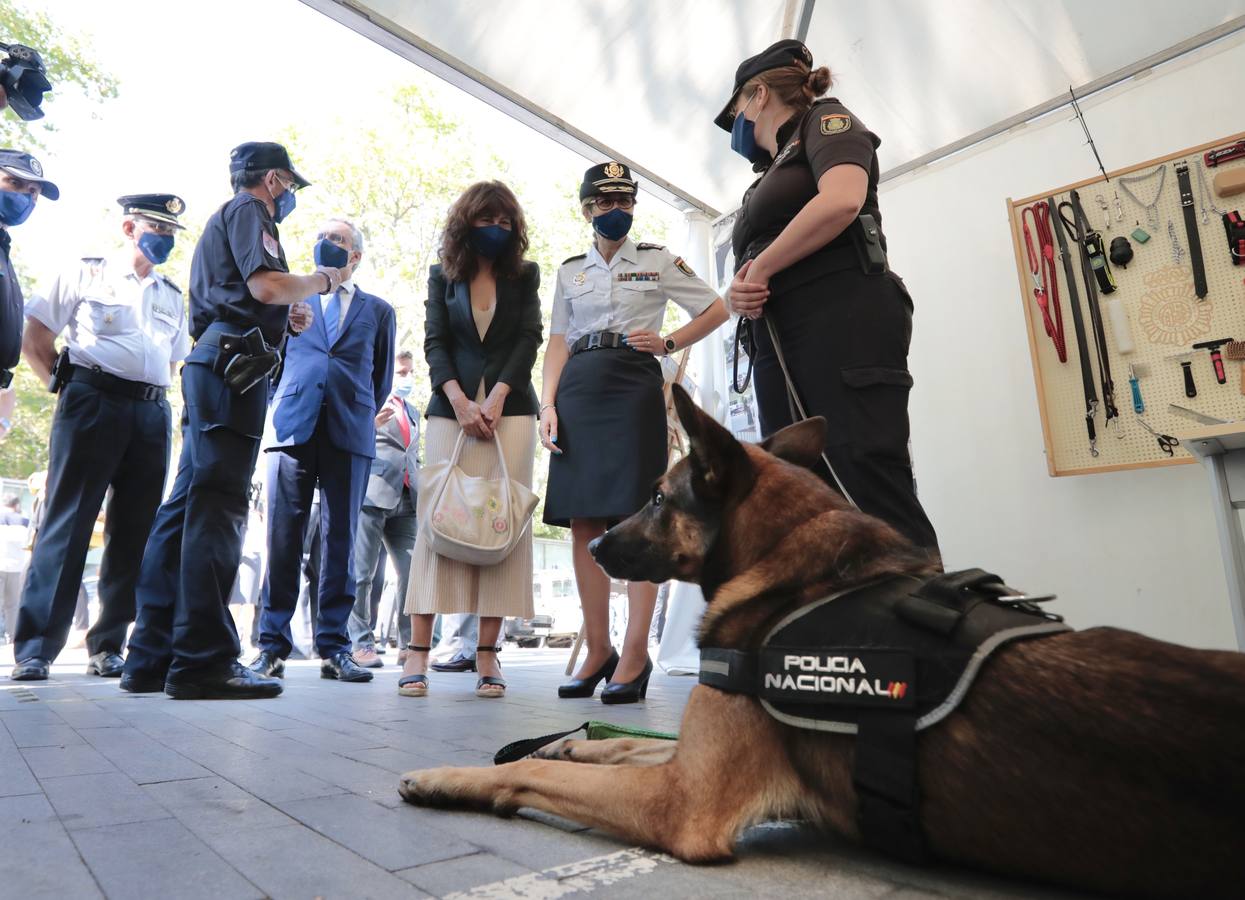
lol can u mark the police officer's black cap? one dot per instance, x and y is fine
(160, 207)
(27, 168)
(259, 156)
(783, 53)
(24, 79)
(607, 178)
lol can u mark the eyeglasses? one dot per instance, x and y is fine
(605, 204)
(291, 185)
(334, 237)
(158, 227)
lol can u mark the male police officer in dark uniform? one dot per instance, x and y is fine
(21, 185)
(125, 328)
(241, 291)
(23, 82)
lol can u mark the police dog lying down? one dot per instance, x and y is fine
(1099, 759)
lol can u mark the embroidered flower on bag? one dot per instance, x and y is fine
(478, 512)
(460, 515)
(493, 505)
(438, 518)
(500, 525)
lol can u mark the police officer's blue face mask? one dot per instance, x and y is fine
(613, 225)
(327, 253)
(156, 247)
(743, 137)
(284, 203)
(15, 207)
(489, 240)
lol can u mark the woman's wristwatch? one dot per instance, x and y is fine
(670, 345)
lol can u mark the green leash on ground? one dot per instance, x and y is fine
(596, 731)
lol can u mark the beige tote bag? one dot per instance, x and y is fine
(471, 519)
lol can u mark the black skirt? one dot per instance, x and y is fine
(612, 433)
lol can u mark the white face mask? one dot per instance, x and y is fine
(403, 385)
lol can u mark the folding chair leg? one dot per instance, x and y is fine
(579, 642)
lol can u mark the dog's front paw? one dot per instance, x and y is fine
(563, 750)
(453, 787)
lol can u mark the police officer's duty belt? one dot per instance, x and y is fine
(881, 662)
(98, 378)
(600, 340)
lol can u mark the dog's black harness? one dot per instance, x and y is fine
(882, 662)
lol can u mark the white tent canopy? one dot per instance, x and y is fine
(642, 81)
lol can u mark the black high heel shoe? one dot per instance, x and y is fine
(628, 691)
(586, 687)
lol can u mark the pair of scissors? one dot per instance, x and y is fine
(1167, 443)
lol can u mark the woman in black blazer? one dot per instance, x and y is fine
(481, 335)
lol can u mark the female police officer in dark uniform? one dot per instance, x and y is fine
(810, 257)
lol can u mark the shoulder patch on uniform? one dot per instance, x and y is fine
(650, 246)
(684, 267)
(835, 123)
(272, 246)
(571, 259)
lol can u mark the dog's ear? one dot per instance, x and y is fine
(801, 443)
(715, 454)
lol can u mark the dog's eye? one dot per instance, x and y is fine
(658, 498)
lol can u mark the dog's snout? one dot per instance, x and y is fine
(594, 544)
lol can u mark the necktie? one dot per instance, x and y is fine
(332, 316)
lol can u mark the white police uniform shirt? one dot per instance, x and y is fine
(131, 327)
(627, 294)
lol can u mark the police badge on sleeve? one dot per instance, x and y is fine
(272, 246)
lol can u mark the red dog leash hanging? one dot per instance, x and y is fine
(1042, 271)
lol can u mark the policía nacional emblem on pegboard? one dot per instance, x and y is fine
(1171, 313)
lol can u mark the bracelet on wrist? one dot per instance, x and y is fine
(328, 283)
(545, 407)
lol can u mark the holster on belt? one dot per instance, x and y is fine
(244, 360)
(867, 237)
(61, 370)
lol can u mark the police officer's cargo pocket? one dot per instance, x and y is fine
(877, 401)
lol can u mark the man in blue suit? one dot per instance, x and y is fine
(320, 430)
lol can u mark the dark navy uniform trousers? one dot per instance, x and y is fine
(293, 473)
(192, 557)
(845, 338)
(99, 441)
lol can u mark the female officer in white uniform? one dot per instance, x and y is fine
(602, 413)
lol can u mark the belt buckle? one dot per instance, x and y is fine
(594, 341)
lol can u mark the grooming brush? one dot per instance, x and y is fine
(1236, 350)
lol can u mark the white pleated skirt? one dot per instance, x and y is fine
(440, 585)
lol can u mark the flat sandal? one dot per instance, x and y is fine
(414, 685)
(489, 681)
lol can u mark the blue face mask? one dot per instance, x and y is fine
(15, 208)
(327, 253)
(402, 387)
(613, 225)
(489, 240)
(285, 203)
(744, 140)
(156, 247)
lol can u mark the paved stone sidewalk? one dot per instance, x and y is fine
(122, 796)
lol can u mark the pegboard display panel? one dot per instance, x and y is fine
(1155, 293)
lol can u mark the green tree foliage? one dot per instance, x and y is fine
(70, 69)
